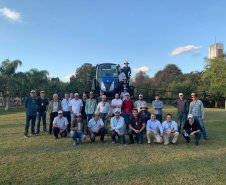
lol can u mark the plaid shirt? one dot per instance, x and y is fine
(197, 108)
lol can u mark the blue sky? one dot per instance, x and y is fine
(59, 36)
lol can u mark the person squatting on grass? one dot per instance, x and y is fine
(60, 124)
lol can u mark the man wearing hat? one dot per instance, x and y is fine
(104, 109)
(117, 128)
(90, 107)
(127, 70)
(157, 108)
(153, 127)
(42, 108)
(139, 103)
(182, 109)
(99, 99)
(196, 108)
(192, 127)
(125, 83)
(60, 124)
(76, 105)
(96, 128)
(66, 110)
(54, 107)
(123, 94)
(127, 107)
(145, 114)
(78, 129)
(31, 113)
(121, 79)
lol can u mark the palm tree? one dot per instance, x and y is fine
(8, 70)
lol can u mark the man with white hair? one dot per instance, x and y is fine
(139, 103)
(76, 105)
(192, 127)
(54, 107)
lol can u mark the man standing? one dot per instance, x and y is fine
(127, 107)
(42, 108)
(54, 107)
(71, 96)
(31, 113)
(182, 109)
(136, 126)
(78, 129)
(153, 127)
(104, 109)
(60, 124)
(90, 107)
(170, 129)
(192, 127)
(127, 70)
(96, 128)
(123, 94)
(84, 98)
(120, 78)
(76, 105)
(117, 128)
(66, 110)
(116, 104)
(157, 108)
(139, 103)
(197, 110)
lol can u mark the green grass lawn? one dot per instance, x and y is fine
(44, 160)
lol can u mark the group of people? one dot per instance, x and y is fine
(88, 117)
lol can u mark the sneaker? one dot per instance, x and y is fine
(131, 142)
(25, 136)
(74, 143)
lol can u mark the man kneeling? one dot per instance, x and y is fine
(60, 124)
(153, 125)
(96, 128)
(78, 127)
(117, 128)
(192, 127)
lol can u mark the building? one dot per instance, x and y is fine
(216, 50)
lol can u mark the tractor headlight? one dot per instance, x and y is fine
(103, 86)
(112, 87)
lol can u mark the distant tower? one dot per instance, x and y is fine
(216, 50)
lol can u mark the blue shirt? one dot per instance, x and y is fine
(197, 108)
(156, 125)
(30, 105)
(93, 125)
(60, 122)
(118, 124)
(169, 126)
(158, 105)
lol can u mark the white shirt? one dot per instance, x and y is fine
(103, 107)
(60, 122)
(116, 102)
(118, 124)
(65, 105)
(93, 125)
(76, 105)
(79, 127)
(138, 104)
(121, 77)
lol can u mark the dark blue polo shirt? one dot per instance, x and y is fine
(30, 105)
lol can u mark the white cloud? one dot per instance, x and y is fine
(144, 69)
(11, 15)
(184, 49)
(68, 77)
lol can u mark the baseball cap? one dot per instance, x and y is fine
(76, 94)
(140, 95)
(32, 91)
(190, 116)
(127, 94)
(60, 112)
(180, 94)
(41, 92)
(125, 88)
(193, 94)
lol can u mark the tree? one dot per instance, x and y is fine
(215, 75)
(8, 70)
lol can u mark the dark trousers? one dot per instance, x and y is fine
(121, 138)
(101, 133)
(127, 117)
(68, 116)
(105, 120)
(41, 115)
(52, 116)
(139, 136)
(88, 117)
(180, 117)
(56, 130)
(197, 135)
(29, 118)
(159, 117)
(120, 87)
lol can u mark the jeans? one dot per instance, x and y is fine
(199, 119)
(73, 116)
(159, 117)
(56, 130)
(121, 138)
(197, 135)
(52, 116)
(101, 133)
(139, 136)
(41, 115)
(29, 118)
(75, 135)
(180, 117)
(88, 117)
(68, 116)
(105, 120)
(120, 87)
(127, 117)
